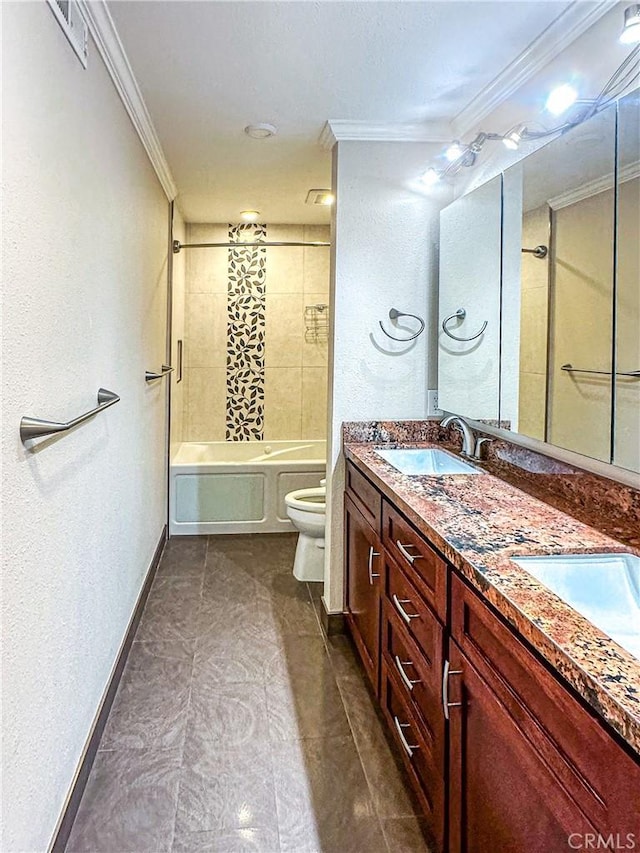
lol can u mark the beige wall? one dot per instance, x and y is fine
(627, 424)
(84, 302)
(294, 368)
(534, 298)
(580, 403)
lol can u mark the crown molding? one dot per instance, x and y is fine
(598, 185)
(339, 130)
(105, 35)
(567, 27)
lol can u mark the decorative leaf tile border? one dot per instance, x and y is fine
(246, 321)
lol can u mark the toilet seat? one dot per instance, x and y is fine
(308, 500)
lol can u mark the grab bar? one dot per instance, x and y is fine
(569, 368)
(37, 428)
(461, 314)
(149, 376)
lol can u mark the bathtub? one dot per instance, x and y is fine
(239, 487)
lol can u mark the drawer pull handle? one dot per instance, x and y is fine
(372, 574)
(400, 665)
(446, 672)
(406, 616)
(409, 748)
(403, 550)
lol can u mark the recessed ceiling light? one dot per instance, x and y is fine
(250, 215)
(324, 197)
(263, 130)
(631, 31)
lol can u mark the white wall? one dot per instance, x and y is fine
(84, 291)
(385, 236)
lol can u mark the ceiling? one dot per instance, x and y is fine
(208, 69)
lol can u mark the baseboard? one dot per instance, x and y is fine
(70, 810)
(332, 623)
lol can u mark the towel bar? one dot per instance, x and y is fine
(38, 428)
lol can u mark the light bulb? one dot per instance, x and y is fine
(560, 99)
(631, 32)
(430, 177)
(513, 138)
(454, 151)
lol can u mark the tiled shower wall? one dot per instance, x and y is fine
(250, 371)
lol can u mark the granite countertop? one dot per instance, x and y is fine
(479, 523)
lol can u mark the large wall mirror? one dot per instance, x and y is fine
(569, 292)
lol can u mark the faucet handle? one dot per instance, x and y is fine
(479, 442)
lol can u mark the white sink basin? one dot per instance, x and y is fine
(416, 460)
(605, 588)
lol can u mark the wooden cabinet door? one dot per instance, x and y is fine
(364, 568)
(503, 795)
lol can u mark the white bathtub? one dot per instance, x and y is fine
(239, 487)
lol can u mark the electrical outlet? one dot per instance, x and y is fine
(432, 403)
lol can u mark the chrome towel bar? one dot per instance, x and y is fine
(569, 368)
(461, 314)
(37, 428)
(149, 375)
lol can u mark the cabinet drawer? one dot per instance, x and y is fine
(366, 496)
(427, 568)
(566, 737)
(411, 608)
(420, 675)
(427, 780)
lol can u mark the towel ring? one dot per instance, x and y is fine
(461, 314)
(393, 315)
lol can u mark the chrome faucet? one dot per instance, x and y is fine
(468, 435)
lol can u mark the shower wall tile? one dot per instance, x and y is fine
(206, 341)
(284, 329)
(314, 402)
(207, 268)
(251, 328)
(283, 403)
(206, 403)
(316, 261)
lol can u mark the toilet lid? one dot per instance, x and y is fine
(309, 500)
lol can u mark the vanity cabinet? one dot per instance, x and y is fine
(363, 562)
(500, 754)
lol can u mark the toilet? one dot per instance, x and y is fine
(306, 509)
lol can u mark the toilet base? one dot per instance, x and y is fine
(309, 561)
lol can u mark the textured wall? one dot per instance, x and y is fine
(84, 302)
(251, 370)
(385, 238)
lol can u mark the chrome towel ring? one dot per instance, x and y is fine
(461, 314)
(393, 315)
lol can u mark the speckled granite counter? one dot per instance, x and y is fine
(479, 523)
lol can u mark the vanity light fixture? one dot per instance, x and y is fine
(250, 215)
(454, 151)
(431, 177)
(262, 130)
(513, 137)
(560, 99)
(631, 30)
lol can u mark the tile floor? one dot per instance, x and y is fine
(237, 726)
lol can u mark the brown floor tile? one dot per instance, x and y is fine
(248, 840)
(407, 835)
(183, 555)
(129, 803)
